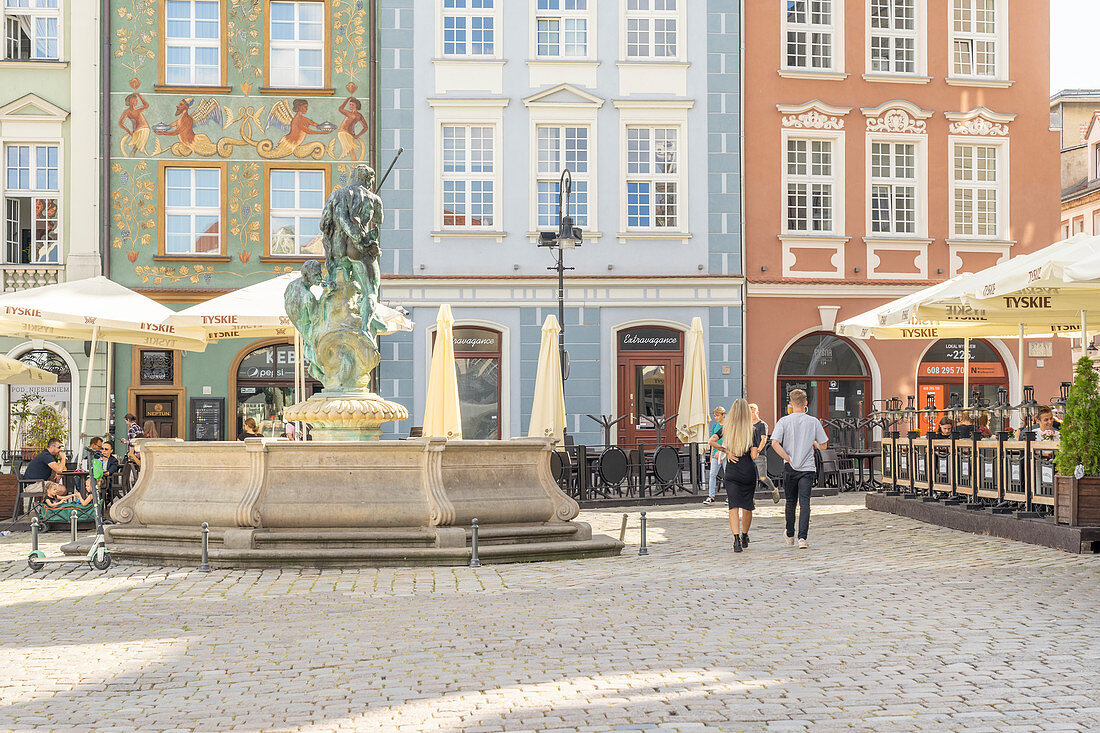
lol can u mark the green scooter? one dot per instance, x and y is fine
(98, 557)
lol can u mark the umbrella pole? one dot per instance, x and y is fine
(1084, 331)
(107, 390)
(966, 373)
(87, 391)
(1020, 366)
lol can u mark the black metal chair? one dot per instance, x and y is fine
(839, 473)
(23, 487)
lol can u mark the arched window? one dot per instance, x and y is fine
(941, 371)
(831, 372)
(58, 396)
(477, 367)
(265, 386)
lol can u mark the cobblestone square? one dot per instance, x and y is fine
(885, 624)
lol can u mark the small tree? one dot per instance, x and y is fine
(1080, 431)
(47, 424)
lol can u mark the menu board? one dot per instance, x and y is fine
(207, 418)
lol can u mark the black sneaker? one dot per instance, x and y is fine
(745, 539)
(737, 543)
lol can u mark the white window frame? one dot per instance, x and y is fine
(654, 178)
(1002, 187)
(194, 211)
(999, 37)
(469, 177)
(679, 15)
(562, 15)
(36, 9)
(587, 177)
(837, 180)
(468, 13)
(30, 196)
(919, 34)
(296, 46)
(193, 43)
(920, 184)
(836, 29)
(297, 213)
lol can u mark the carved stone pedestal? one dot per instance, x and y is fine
(343, 417)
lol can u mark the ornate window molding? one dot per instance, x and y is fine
(980, 122)
(897, 117)
(814, 115)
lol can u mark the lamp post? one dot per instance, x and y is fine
(566, 237)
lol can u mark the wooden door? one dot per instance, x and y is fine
(649, 391)
(161, 409)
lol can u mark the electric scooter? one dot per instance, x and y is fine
(98, 557)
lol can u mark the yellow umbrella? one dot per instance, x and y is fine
(13, 371)
(548, 408)
(691, 422)
(442, 417)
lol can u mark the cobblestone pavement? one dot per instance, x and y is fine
(885, 624)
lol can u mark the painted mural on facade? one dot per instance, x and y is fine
(255, 140)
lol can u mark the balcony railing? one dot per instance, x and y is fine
(22, 277)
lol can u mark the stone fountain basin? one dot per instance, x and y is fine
(275, 503)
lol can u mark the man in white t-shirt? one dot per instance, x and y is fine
(794, 439)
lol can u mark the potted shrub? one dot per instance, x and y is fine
(1077, 482)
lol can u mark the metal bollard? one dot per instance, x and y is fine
(34, 534)
(643, 548)
(475, 561)
(204, 564)
(622, 529)
(72, 524)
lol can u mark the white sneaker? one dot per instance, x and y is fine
(708, 500)
(803, 545)
(788, 539)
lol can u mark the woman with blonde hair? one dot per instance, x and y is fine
(741, 475)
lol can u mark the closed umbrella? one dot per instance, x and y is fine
(548, 406)
(13, 371)
(98, 309)
(442, 416)
(692, 418)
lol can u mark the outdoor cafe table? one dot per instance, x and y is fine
(869, 456)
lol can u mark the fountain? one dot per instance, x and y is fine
(347, 498)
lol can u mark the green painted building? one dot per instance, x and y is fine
(232, 120)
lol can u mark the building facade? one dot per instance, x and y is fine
(890, 145)
(490, 101)
(1073, 113)
(231, 121)
(49, 142)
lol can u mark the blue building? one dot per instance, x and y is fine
(490, 100)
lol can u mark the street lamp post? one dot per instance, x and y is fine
(566, 237)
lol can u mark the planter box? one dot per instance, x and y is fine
(7, 494)
(1077, 501)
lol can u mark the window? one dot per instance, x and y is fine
(652, 29)
(31, 203)
(1079, 225)
(894, 36)
(810, 34)
(468, 172)
(31, 29)
(192, 211)
(1096, 161)
(893, 188)
(468, 28)
(561, 28)
(976, 191)
(562, 147)
(297, 44)
(297, 197)
(652, 178)
(1095, 224)
(811, 182)
(192, 42)
(974, 37)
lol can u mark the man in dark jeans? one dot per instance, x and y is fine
(794, 439)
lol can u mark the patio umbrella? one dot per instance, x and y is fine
(98, 309)
(442, 416)
(13, 371)
(548, 406)
(691, 422)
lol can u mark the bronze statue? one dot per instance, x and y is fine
(350, 224)
(304, 309)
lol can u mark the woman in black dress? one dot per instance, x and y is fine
(741, 475)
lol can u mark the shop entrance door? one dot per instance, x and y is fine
(650, 376)
(161, 409)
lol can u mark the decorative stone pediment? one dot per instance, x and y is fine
(32, 107)
(980, 122)
(897, 117)
(563, 95)
(815, 115)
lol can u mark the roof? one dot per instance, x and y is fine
(1082, 95)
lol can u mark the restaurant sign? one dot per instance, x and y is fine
(650, 339)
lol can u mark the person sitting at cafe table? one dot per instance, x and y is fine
(110, 463)
(965, 427)
(983, 425)
(944, 427)
(46, 467)
(92, 453)
(1044, 423)
(56, 495)
(251, 430)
